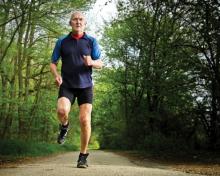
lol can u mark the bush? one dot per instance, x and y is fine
(31, 148)
(159, 142)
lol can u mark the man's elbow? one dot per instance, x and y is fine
(52, 65)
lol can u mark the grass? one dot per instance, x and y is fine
(11, 150)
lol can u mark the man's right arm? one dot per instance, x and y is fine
(54, 60)
(58, 78)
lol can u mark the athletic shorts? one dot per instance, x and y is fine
(83, 95)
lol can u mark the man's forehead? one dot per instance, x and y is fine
(77, 15)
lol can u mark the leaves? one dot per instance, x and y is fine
(27, 90)
(157, 68)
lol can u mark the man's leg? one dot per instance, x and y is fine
(85, 124)
(63, 109)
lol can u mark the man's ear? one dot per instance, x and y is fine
(70, 22)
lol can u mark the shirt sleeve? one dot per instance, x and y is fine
(96, 52)
(56, 52)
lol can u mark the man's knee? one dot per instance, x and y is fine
(85, 120)
(63, 107)
(62, 112)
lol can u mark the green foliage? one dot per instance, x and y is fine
(28, 95)
(158, 142)
(31, 148)
(150, 99)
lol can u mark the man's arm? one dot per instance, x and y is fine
(94, 60)
(94, 63)
(58, 78)
(54, 60)
(98, 64)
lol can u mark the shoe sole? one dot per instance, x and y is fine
(82, 166)
(60, 143)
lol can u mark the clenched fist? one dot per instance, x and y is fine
(58, 80)
(88, 61)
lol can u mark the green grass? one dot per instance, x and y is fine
(14, 149)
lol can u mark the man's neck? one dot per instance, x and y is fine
(77, 35)
(77, 32)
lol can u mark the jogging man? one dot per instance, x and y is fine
(79, 53)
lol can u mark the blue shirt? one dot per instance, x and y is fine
(74, 72)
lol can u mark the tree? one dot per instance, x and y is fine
(203, 19)
(157, 76)
(28, 30)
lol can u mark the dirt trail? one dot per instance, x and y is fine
(101, 163)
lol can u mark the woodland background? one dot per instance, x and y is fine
(160, 89)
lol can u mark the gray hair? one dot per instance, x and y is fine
(77, 12)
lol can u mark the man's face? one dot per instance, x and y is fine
(78, 22)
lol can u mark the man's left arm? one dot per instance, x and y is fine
(96, 61)
(93, 63)
(98, 64)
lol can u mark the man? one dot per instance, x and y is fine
(79, 53)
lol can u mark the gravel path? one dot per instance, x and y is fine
(101, 163)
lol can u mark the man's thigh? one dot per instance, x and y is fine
(85, 111)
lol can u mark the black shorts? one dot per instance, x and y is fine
(83, 95)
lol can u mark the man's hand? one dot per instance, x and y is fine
(59, 80)
(88, 61)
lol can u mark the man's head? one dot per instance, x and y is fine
(77, 22)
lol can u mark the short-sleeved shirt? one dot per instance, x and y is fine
(75, 73)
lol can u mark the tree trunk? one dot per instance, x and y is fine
(214, 115)
(21, 120)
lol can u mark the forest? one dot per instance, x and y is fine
(160, 88)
